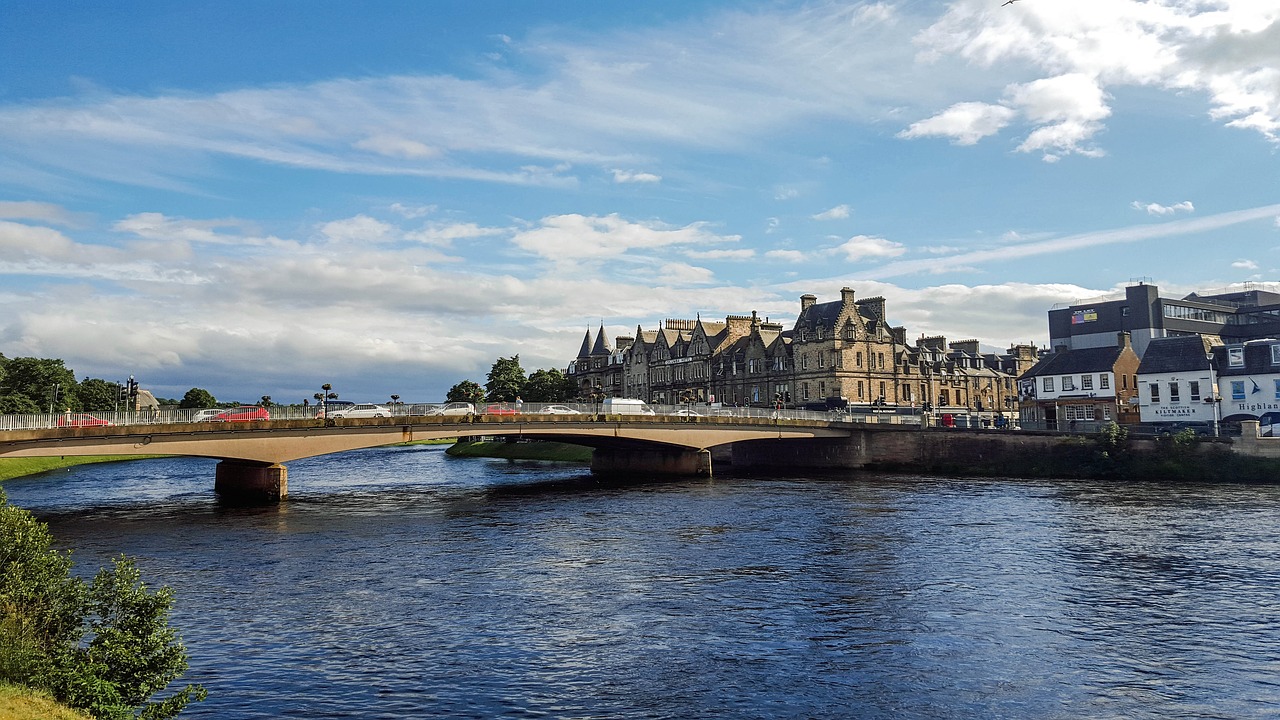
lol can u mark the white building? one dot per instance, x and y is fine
(1249, 383)
(1177, 381)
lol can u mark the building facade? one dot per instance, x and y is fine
(837, 354)
(1082, 389)
(1249, 382)
(1223, 317)
(1177, 382)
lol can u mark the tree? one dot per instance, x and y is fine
(265, 401)
(466, 391)
(506, 380)
(104, 646)
(546, 386)
(98, 394)
(38, 379)
(198, 398)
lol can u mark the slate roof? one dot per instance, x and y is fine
(822, 315)
(1074, 362)
(1257, 358)
(602, 343)
(1176, 354)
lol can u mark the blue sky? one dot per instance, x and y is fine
(260, 197)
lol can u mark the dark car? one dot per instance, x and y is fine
(81, 420)
(244, 413)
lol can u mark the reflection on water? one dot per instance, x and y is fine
(401, 583)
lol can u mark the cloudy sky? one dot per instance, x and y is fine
(258, 197)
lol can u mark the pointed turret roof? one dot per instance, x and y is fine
(586, 345)
(602, 343)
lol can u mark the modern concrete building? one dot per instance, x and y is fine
(1226, 317)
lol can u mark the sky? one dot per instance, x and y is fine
(258, 197)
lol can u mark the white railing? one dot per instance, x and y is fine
(170, 415)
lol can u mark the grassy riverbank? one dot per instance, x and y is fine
(555, 451)
(18, 467)
(20, 703)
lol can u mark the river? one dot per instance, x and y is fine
(402, 583)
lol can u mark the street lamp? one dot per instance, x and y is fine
(323, 398)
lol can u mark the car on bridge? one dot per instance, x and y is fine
(207, 414)
(454, 408)
(361, 410)
(81, 420)
(244, 413)
(558, 410)
(501, 409)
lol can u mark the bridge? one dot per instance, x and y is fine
(253, 454)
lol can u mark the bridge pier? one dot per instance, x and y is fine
(687, 463)
(244, 482)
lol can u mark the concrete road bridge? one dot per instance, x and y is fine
(253, 454)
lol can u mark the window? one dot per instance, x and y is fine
(882, 395)
(1275, 354)
(1194, 390)
(1173, 393)
(857, 359)
(1048, 384)
(822, 389)
(822, 359)
(1086, 382)
(1106, 412)
(1237, 389)
(1155, 392)
(1104, 381)
(804, 390)
(1278, 389)
(1235, 356)
(860, 395)
(1068, 383)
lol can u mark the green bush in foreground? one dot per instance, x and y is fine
(102, 646)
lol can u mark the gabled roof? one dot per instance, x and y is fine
(1174, 354)
(1073, 362)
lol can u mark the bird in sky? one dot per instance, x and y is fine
(1009, 2)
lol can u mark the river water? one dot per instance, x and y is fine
(402, 583)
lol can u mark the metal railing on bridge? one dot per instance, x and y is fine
(236, 415)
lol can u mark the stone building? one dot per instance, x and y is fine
(837, 354)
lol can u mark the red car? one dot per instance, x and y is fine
(501, 410)
(80, 420)
(244, 413)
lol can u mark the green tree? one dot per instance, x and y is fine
(546, 386)
(20, 405)
(38, 379)
(198, 398)
(98, 394)
(465, 391)
(104, 647)
(265, 401)
(506, 380)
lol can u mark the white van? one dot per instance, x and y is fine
(625, 406)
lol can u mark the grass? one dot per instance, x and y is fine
(561, 452)
(19, 467)
(20, 703)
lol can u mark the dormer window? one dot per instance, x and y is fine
(1275, 354)
(1235, 356)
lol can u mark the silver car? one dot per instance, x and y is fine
(361, 410)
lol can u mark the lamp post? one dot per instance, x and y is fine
(323, 398)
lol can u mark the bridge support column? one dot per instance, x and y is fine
(687, 463)
(250, 483)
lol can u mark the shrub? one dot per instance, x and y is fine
(102, 646)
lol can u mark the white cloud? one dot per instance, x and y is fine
(412, 211)
(683, 274)
(838, 212)
(1245, 265)
(1226, 49)
(790, 256)
(445, 234)
(628, 176)
(1158, 209)
(965, 123)
(358, 229)
(736, 254)
(860, 247)
(577, 237)
(393, 146)
(37, 211)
